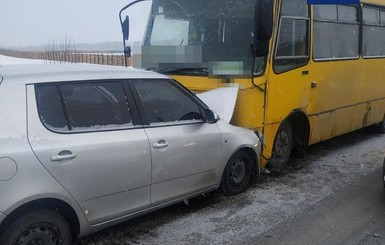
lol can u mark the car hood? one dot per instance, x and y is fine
(221, 101)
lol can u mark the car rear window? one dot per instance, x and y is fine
(83, 106)
(50, 108)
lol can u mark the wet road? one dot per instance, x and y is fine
(354, 215)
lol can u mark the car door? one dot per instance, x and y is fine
(185, 150)
(86, 135)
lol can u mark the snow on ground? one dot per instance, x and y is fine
(6, 60)
(217, 219)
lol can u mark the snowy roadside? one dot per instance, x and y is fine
(6, 60)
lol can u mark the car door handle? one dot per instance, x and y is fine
(63, 155)
(161, 144)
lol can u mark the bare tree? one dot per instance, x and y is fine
(50, 51)
(62, 51)
(68, 48)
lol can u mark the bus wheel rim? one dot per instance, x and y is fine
(283, 144)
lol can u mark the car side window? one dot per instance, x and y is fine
(85, 106)
(50, 108)
(165, 103)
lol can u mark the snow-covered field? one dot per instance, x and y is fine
(6, 60)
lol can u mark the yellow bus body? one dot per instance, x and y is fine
(336, 97)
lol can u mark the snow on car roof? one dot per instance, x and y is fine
(37, 73)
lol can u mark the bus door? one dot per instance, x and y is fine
(289, 76)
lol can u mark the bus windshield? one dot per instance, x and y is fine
(211, 35)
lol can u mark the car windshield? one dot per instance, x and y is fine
(203, 34)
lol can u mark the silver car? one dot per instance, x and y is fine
(83, 147)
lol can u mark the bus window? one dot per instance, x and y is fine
(382, 17)
(294, 8)
(327, 12)
(293, 40)
(371, 15)
(347, 14)
(340, 24)
(373, 32)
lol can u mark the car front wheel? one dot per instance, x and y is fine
(40, 227)
(237, 174)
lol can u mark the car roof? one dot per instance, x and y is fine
(40, 73)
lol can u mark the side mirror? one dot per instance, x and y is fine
(126, 35)
(126, 28)
(127, 51)
(210, 116)
(263, 27)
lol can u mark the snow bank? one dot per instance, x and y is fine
(6, 60)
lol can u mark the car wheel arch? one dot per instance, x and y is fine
(57, 205)
(252, 153)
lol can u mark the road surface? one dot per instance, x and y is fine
(354, 215)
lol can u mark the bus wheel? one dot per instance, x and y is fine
(383, 173)
(283, 144)
(381, 127)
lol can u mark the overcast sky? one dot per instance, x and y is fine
(38, 22)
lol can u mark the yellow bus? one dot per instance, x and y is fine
(306, 73)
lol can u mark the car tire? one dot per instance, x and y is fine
(237, 174)
(283, 145)
(37, 227)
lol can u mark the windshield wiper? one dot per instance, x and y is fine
(184, 71)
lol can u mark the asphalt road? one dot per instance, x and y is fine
(354, 215)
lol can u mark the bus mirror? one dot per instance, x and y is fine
(127, 51)
(126, 28)
(126, 36)
(263, 27)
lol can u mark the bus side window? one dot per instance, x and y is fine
(373, 32)
(336, 32)
(292, 49)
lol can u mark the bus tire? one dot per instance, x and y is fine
(381, 127)
(383, 174)
(283, 145)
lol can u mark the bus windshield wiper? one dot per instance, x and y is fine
(184, 71)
